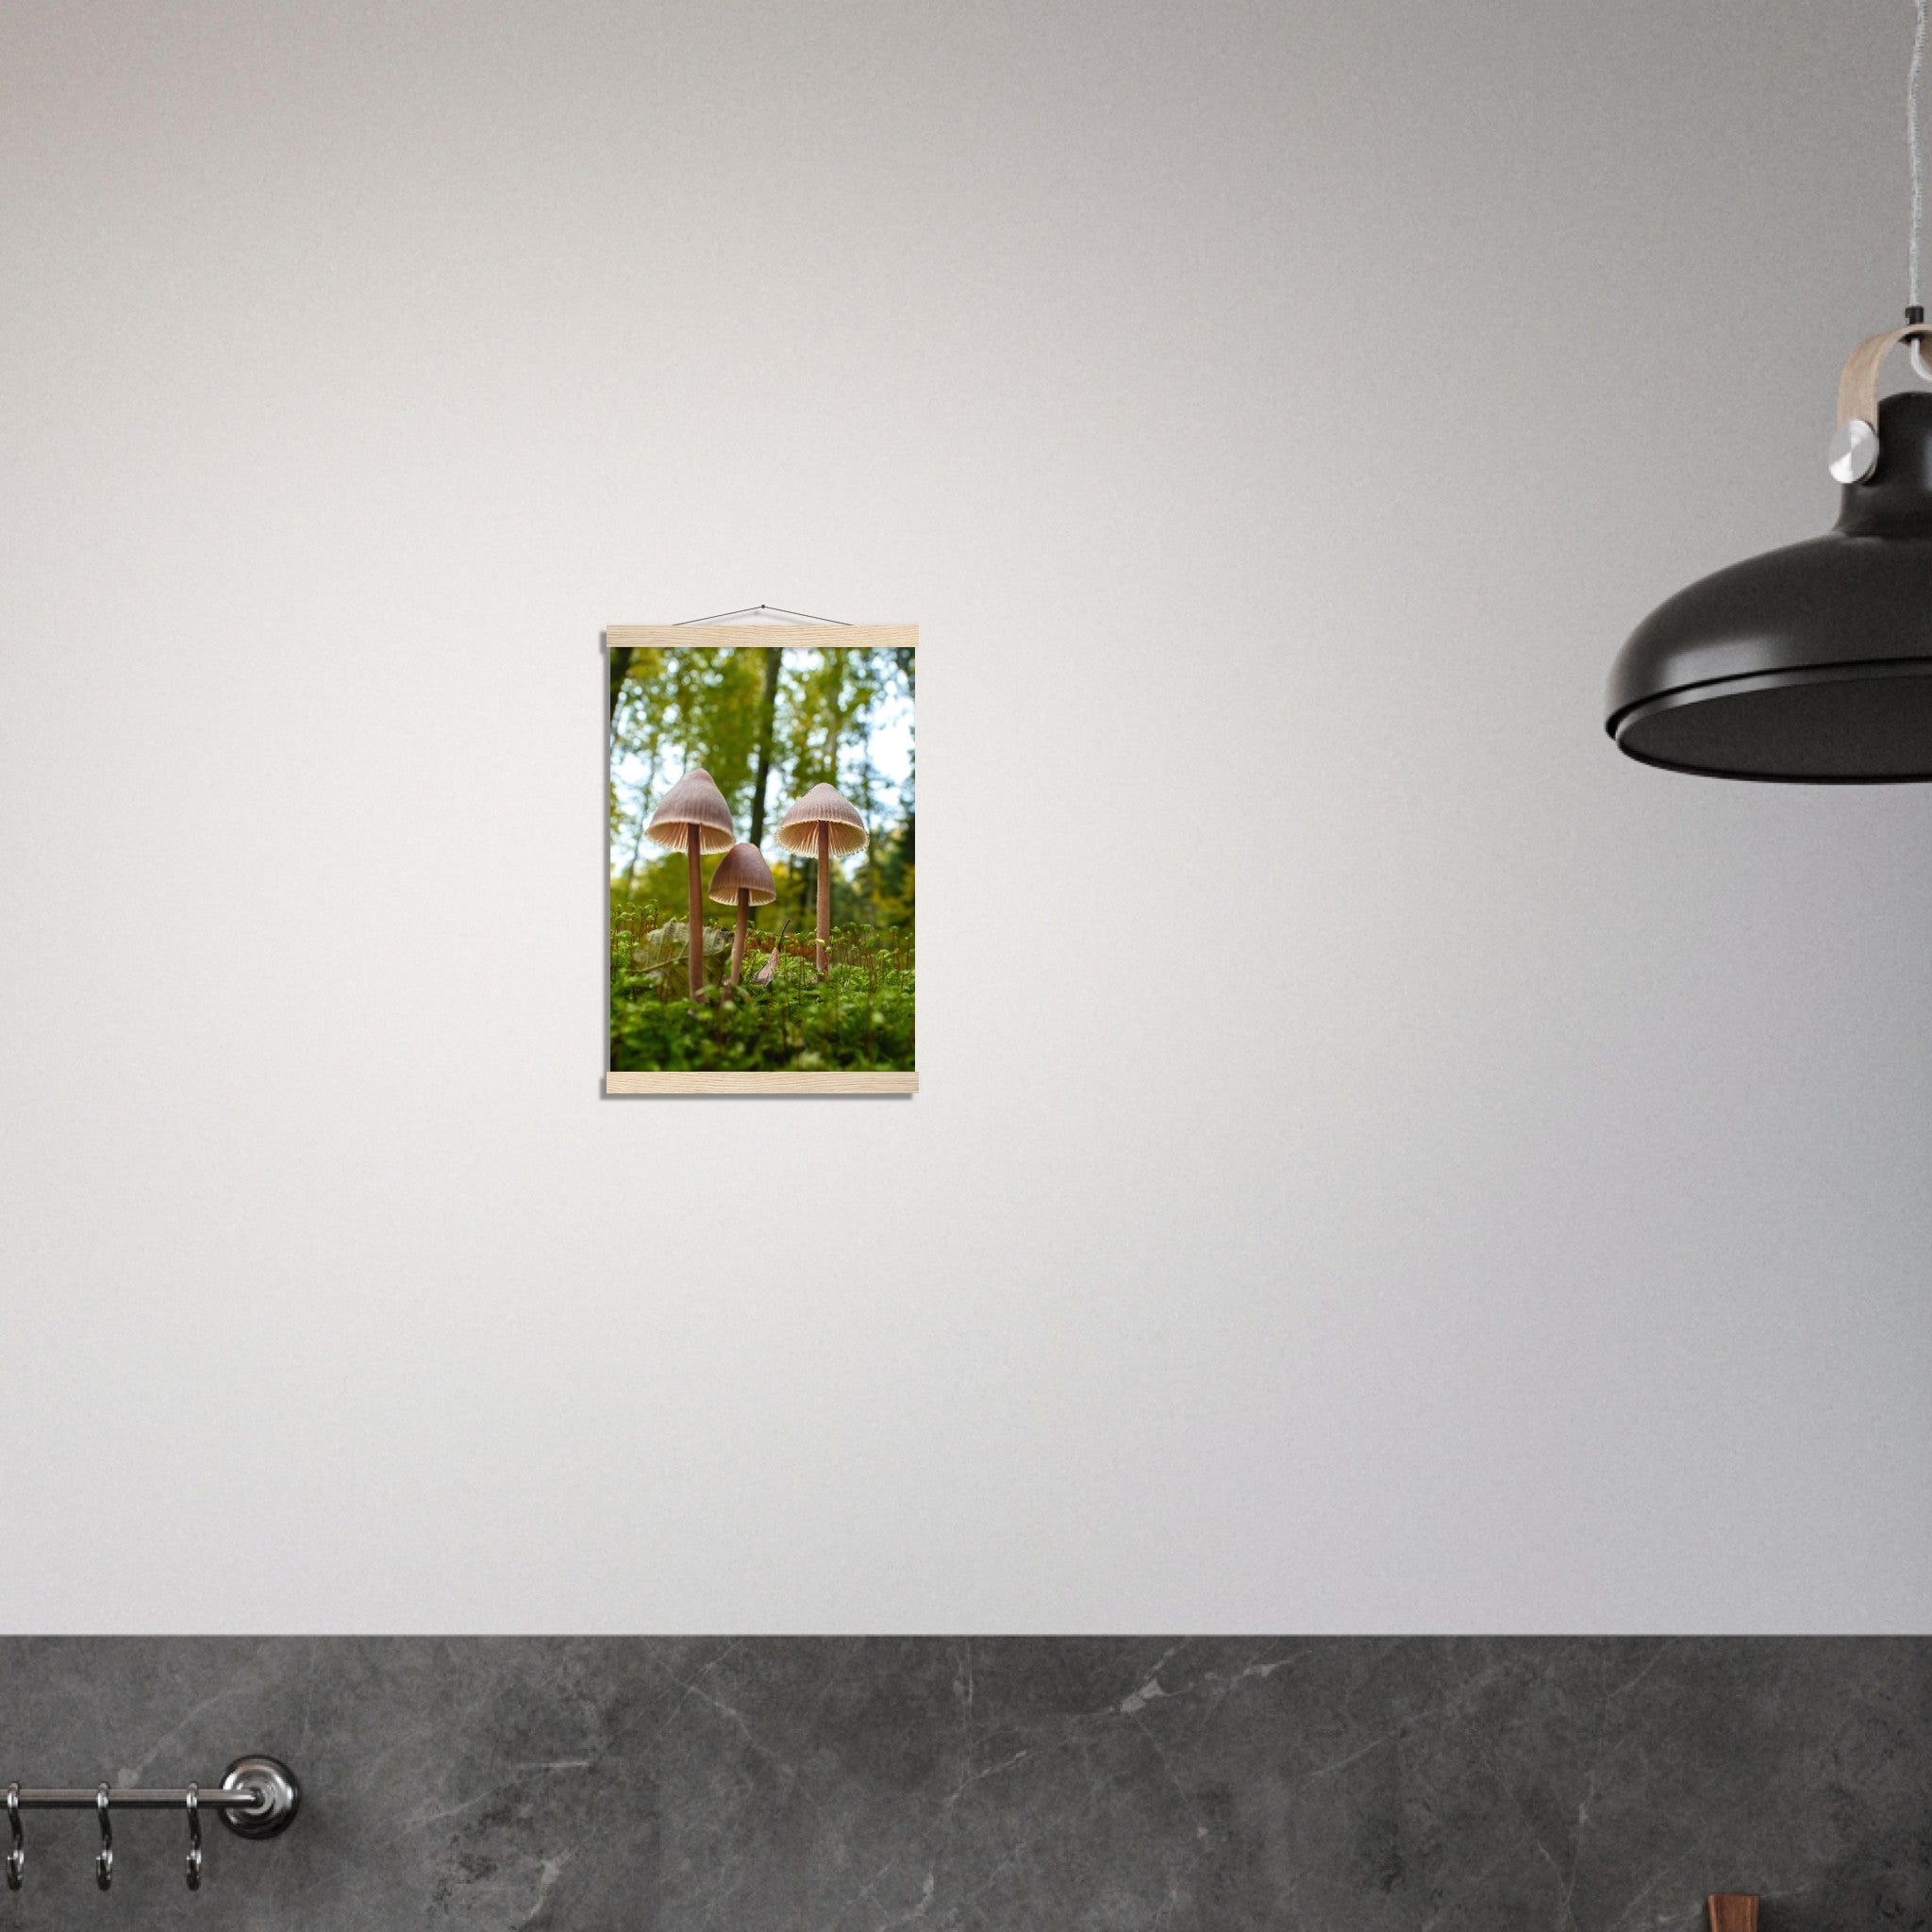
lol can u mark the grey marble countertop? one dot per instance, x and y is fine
(1028, 1784)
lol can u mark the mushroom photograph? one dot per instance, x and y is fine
(761, 858)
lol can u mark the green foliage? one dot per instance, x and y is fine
(859, 1015)
(688, 707)
(891, 879)
(877, 895)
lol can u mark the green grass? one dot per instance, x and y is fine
(858, 1016)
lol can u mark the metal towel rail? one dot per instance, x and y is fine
(258, 1797)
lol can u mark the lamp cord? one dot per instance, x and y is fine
(1912, 81)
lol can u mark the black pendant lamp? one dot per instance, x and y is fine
(1811, 665)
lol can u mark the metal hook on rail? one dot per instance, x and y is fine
(103, 1858)
(194, 1802)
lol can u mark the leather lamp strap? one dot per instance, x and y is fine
(1858, 388)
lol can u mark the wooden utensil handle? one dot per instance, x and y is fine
(1733, 1912)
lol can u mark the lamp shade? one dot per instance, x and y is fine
(1810, 665)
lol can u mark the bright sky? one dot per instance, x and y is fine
(892, 740)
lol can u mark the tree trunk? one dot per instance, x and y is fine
(825, 895)
(620, 663)
(774, 662)
(695, 927)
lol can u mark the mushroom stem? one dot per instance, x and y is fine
(737, 938)
(695, 927)
(825, 894)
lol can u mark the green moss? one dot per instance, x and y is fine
(858, 1016)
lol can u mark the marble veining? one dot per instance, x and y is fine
(995, 1785)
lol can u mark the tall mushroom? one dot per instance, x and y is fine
(694, 816)
(742, 879)
(822, 822)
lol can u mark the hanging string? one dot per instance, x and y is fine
(772, 610)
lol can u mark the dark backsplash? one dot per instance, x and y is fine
(995, 1784)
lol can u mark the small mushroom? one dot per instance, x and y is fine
(742, 879)
(694, 816)
(822, 822)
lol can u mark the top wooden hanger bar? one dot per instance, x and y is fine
(763, 637)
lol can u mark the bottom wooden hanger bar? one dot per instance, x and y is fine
(761, 1083)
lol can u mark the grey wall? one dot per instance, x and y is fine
(1432, 1174)
(978, 1785)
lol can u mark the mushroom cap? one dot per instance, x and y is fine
(694, 800)
(743, 868)
(798, 830)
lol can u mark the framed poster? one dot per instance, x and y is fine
(760, 863)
